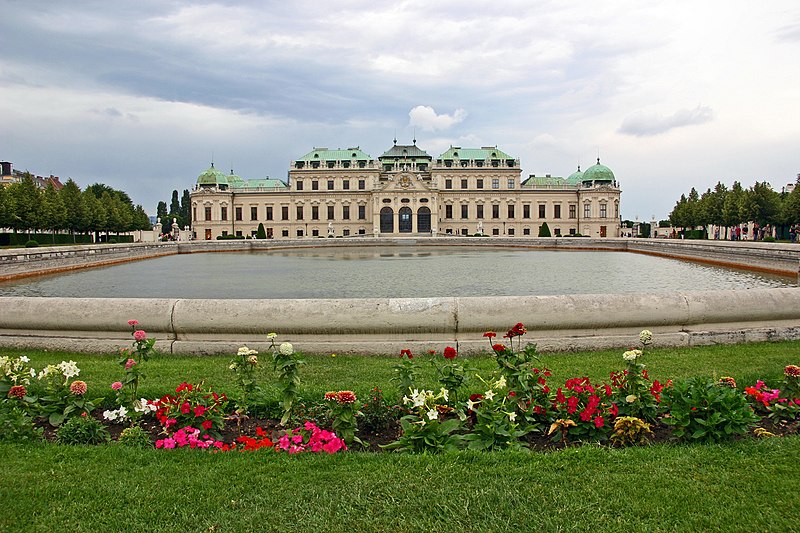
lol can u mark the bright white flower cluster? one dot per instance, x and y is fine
(69, 369)
(427, 401)
(13, 370)
(120, 414)
(631, 355)
(645, 336)
(143, 405)
(244, 350)
(286, 348)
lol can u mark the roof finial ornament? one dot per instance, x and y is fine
(415, 136)
(212, 159)
(395, 136)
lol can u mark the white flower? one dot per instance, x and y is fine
(117, 414)
(286, 348)
(645, 336)
(244, 350)
(33, 372)
(143, 405)
(443, 392)
(501, 383)
(232, 366)
(432, 414)
(631, 355)
(470, 405)
(630, 398)
(418, 398)
(69, 369)
(489, 394)
(272, 335)
(512, 416)
(24, 359)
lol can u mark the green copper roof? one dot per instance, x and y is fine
(323, 154)
(598, 172)
(534, 181)
(234, 180)
(576, 177)
(266, 183)
(405, 150)
(485, 153)
(212, 176)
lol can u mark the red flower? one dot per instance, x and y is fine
(547, 373)
(607, 389)
(406, 353)
(511, 394)
(599, 422)
(538, 410)
(186, 408)
(431, 352)
(792, 371)
(17, 391)
(614, 410)
(519, 329)
(346, 397)
(450, 353)
(499, 347)
(199, 410)
(207, 424)
(560, 398)
(541, 381)
(572, 404)
(476, 397)
(490, 334)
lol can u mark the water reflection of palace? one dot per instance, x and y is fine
(406, 192)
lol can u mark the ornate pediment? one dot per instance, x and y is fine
(405, 181)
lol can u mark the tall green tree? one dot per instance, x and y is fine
(96, 215)
(26, 200)
(72, 199)
(732, 206)
(53, 215)
(161, 212)
(141, 220)
(186, 208)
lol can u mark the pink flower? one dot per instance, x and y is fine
(129, 363)
(139, 335)
(117, 385)
(78, 388)
(133, 322)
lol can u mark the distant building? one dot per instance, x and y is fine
(406, 192)
(9, 176)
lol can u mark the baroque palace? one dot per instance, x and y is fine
(406, 192)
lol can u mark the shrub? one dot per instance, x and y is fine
(31, 244)
(377, 415)
(192, 404)
(705, 411)
(82, 430)
(16, 425)
(544, 230)
(260, 232)
(135, 437)
(630, 431)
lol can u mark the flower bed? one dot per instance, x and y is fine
(521, 405)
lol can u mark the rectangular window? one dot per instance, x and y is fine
(479, 183)
(346, 185)
(572, 231)
(526, 211)
(479, 211)
(511, 231)
(253, 213)
(495, 231)
(346, 232)
(345, 212)
(572, 211)
(314, 212)
(464, 211)
(556, 211)
(464, 183)
(284, 233)
(238, 213)
(587, 210)
(208, 213)
(330, 212)
(315, 233)
(224, 233)
(510, 210)
(330, 185)
(526, 231)
(448, 211)
(542, 211)
(269, 212)
(238, 233)
(299, 233)
(299, 212)
(448, 184)
(194, 213)
(314, 185)
(299, 185)
(224, 214)
(285, 214)
(603, 211)
(495, 211)
(510, 185)
(362, 185)
(495, 183)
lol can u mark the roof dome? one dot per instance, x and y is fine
(212, 176)
(234, 180)
(598, 172)
(576, 177)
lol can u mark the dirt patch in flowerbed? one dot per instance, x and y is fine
(248, 426)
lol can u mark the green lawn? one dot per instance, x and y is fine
(742, 486)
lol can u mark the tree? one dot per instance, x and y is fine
(95, 211)
(260, 232)
(141, 220)
(161, 212)
(53, 214)
(186, 208)
(791, 207)
(731, 208)
(544, 230)
(26, 200)
(761, 204)
(72, 200)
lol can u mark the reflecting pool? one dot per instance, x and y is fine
(398, 271)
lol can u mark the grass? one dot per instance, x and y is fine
(745, 485)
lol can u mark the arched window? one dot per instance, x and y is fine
(404, 223)
(387, 220)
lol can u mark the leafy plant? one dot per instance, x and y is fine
(450, 374)
(630, 431)
(588, 406)
(243, 365)
(496, 422)
(16, 424)
(135, 437)
(131, 361)
(634, 393)
(703, 410)
(376, 414)
(286, 362)
(82, 430)
(63, 399)
(406, 372)
(192, 405)
(424, 430)
(344, 407)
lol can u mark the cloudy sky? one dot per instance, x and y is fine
(141, 94)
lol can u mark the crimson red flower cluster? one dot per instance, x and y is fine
(344, 397)
(450, 353)
(517, 331)
(406, 353)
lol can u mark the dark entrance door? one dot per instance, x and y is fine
(387, 220)
(423, 220)
(405, 220)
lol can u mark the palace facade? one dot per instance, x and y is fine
(406, 192)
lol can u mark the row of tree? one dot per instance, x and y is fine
(24, 207)
(178, 210)
(730, 207)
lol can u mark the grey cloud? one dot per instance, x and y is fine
(643, 124)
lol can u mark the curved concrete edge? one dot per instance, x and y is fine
(385, 326)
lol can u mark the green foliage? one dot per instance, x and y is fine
(630, 431)
(544, 230)
(286, 362)
(376, 414)
(16, 424)
(423, 429)
(31, 244)
(82, 430)
(243, 365)
(135, 437)
(344, 408)
(497, 421)
(405, 372)
(702, 410)
(261, 233)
